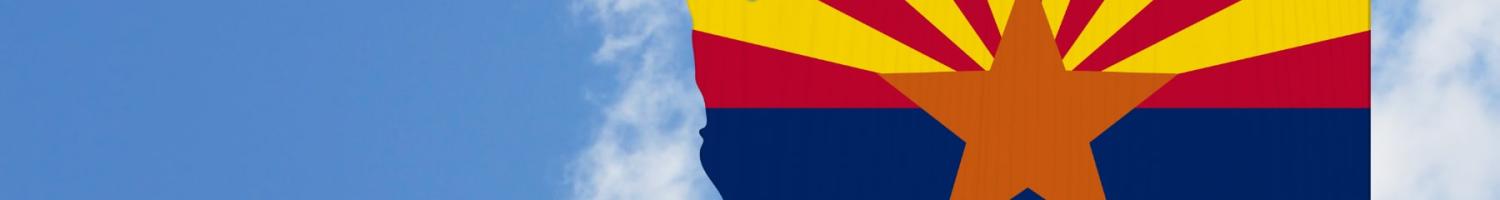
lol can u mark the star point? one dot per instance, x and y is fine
(1027, 122)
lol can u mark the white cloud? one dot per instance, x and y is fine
(647, 145)
(1436, 124)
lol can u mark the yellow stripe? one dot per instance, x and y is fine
(1001, 10)
(1112, 15)
(1250, 28)
(950, 20)
(812, 29)
(1055, 10)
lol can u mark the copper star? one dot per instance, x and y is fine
(1027, 122)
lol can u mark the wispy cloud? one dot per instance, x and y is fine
(1436, 124)
(647, 145)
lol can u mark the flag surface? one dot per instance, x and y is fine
(1090, 99)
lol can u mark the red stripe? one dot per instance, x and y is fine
(902, 22)
(1329, 74)
(735, 74)
(1078, 16)
(980, 17)
(1158, 20)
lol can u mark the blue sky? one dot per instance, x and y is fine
(274, 99)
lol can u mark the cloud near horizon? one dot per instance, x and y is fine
(647, 145)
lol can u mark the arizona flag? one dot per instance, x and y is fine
(1001, 99)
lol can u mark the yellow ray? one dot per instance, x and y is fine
(950, 20)
(1247, 29)
(812, 29)
(1112, 15)
(1055, 10)
(1001, 10)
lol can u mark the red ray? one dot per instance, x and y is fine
(979, 16)
(735, 74)
(1155, 22)
(1078, 16)
(1328, 74)
(902, 22)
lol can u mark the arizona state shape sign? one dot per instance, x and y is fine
(1000, 99)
